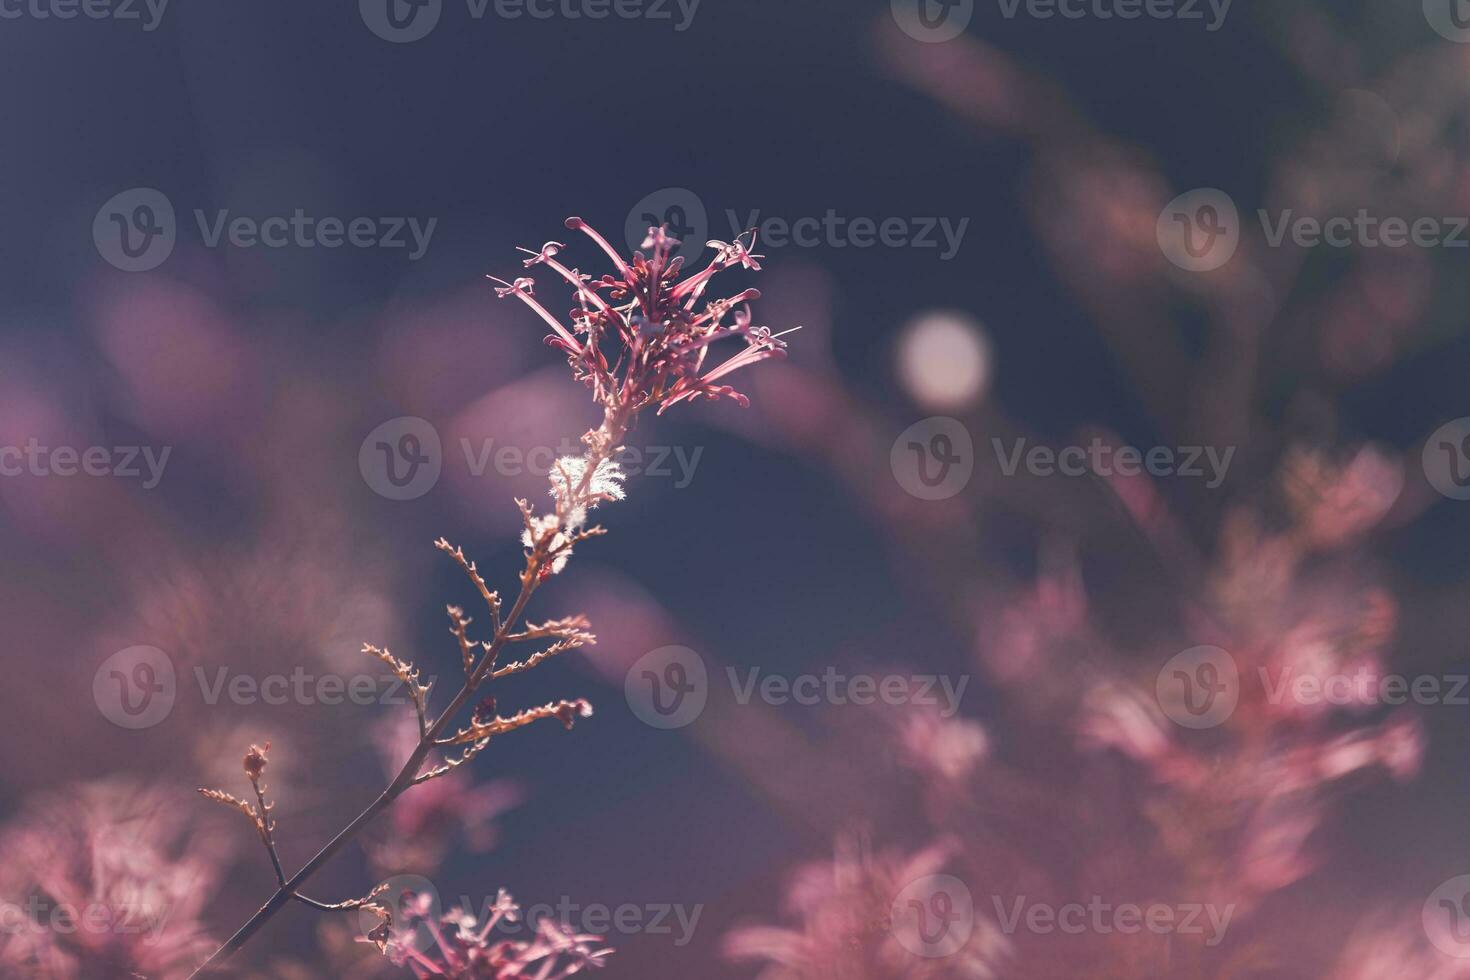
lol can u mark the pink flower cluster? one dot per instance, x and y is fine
(463, 947)
(649, 318)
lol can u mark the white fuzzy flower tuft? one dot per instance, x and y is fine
(541, 526)
(566, 481)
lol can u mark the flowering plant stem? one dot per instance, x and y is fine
(650, 316)
(541, 554)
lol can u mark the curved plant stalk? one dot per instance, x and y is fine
(662, 342)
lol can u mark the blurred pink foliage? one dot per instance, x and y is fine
(107, 880)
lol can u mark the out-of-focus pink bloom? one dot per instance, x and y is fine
(846, 930)
(111, 879)
(949, 749)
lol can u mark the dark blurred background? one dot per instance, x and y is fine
(794, 546)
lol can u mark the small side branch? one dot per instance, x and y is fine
(492, 599)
